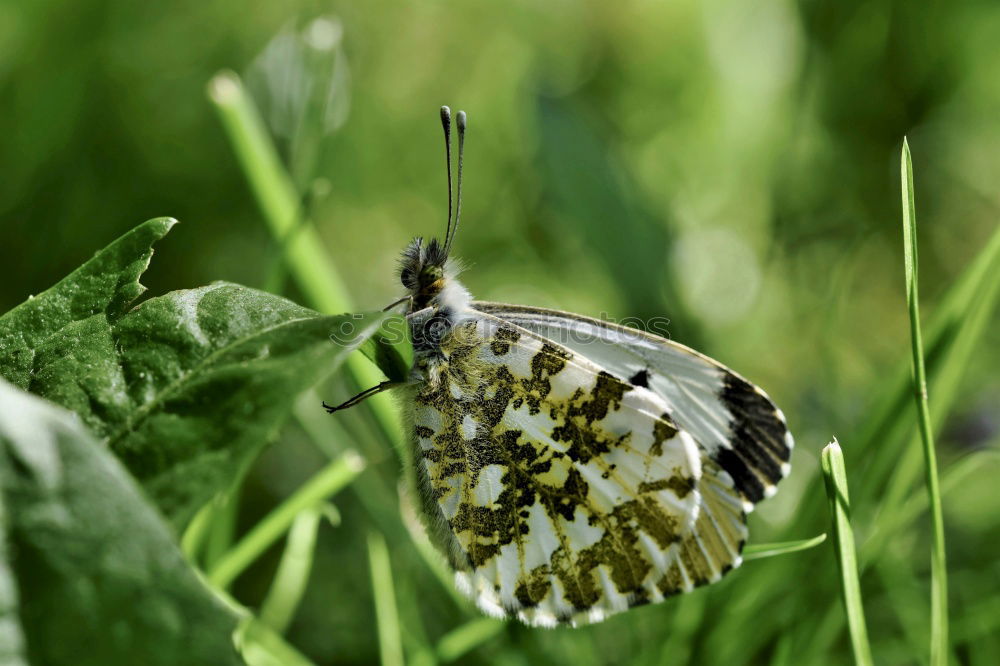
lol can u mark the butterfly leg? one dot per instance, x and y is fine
(405, 299)
(367, 393)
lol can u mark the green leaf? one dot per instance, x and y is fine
(12, 647)
(104, 286)
(390, 349)
(184, 388)
(100, 578)
(188, 386)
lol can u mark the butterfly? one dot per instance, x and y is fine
(570, 468)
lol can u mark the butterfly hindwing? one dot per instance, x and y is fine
(568, 492)
(732, 420)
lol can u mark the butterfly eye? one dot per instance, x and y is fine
(429, 275)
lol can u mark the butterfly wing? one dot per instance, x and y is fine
(563, 493)
(732, 420)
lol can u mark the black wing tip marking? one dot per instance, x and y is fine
(760, 445)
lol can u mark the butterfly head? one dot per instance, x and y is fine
(424, 269)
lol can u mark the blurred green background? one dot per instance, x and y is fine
(730, 165)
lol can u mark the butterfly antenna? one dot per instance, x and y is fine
(460, 123)
(446, 125)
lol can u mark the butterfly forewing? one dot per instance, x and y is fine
(570, 493)
(732, 420)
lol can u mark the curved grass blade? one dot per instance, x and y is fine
(290, 581)
(832, 462)
(951, 477)
(259, 645)
(762, 550)
(324, 484)
(412, 615)
(468, 637)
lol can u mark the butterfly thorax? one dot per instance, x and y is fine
(438, 301)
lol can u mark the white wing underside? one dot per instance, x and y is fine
(731, 419)
(570, 493)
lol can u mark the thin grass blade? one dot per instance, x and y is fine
(327, 482)
(259, 645)
(467, 637)
(314, 272)
(832, 462)
(939, 573)
(389, 639)
(762, 550)
(956, 327)
(290, 581)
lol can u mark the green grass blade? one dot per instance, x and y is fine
(193, 538)
(390, 512)
(686, 623)
(325, 483)
(315, 275)
(762, 550)
(223, 524)
(290, 581)
(314, 272)
(408, 512)
(410, 600)
(945, 380)
(939, 574)
(890, 460)
(956, 327)
(389, 638)
(843, 540)
(467, 637)
(276, 194)
(951, 477)
(259, 645)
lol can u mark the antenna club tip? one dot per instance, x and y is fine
(445, 114)
(460, 120)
